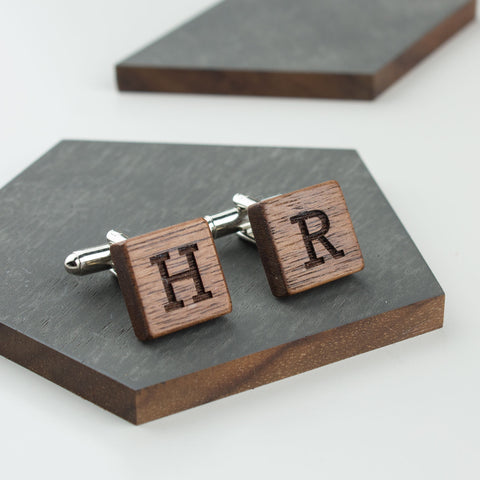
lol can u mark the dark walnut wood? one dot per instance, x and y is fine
(305, 238)
(306, 48)
(171, 279)
(77, 332)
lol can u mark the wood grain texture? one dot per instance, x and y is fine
(171, 279)
(329, 49)
(76, 331)
(305, 238)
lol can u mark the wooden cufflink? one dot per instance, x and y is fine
(305, 238)
(170, 278)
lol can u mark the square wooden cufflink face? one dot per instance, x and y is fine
(305, 238)
(171, 278)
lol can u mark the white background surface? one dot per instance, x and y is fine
(410, 410)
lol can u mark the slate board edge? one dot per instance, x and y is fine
(145, 404)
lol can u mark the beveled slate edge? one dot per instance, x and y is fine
(289, 359)
(401, 65)
(69, 373)
(165, 398)
(334, 85)
(244, 82)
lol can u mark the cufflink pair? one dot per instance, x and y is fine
(172, 278)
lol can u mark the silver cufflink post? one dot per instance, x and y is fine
(98, 259)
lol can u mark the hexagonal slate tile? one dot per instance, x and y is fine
(76, 331)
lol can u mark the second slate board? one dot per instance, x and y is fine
(331, 49)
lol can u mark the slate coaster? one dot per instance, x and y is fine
(76, 331)
(306, 48)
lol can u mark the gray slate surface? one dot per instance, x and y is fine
(330, 36)
(76, 192)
